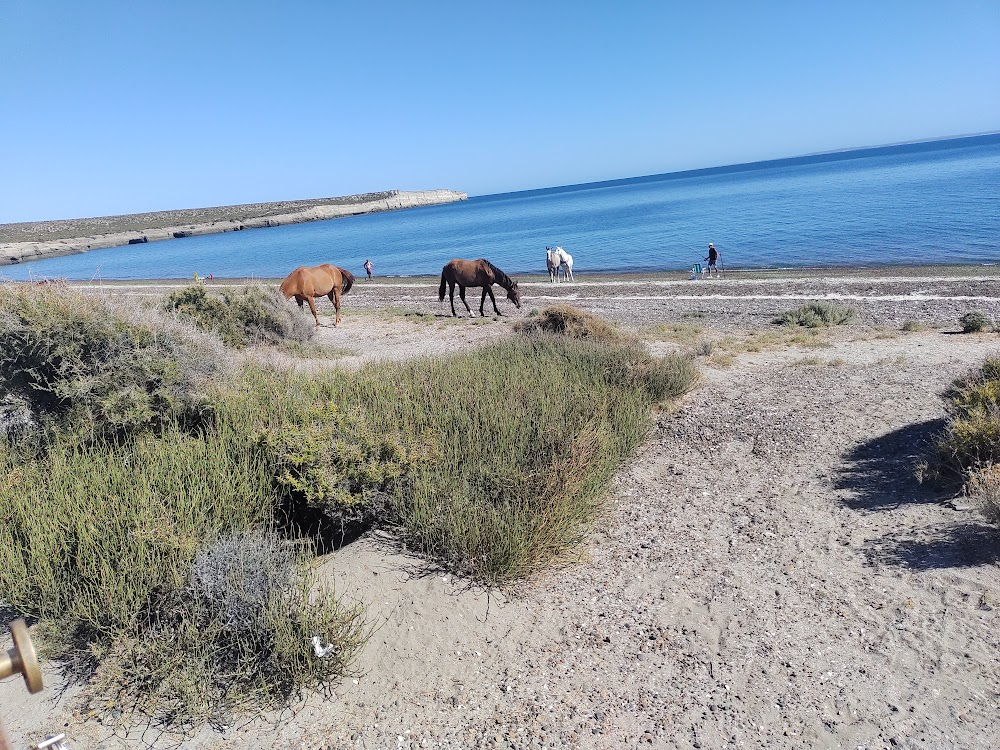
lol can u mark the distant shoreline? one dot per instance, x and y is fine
(852, 274)
(28, 241)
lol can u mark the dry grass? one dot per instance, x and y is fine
(773, 339)
(984, 484)
(686, 334)
(818, 362)
(567, 320)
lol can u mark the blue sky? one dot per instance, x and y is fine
(121, 107)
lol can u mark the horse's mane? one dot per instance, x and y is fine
(500, 277)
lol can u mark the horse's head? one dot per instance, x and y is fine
(514, 295)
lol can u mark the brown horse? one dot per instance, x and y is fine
(476, 273)
(305, 284)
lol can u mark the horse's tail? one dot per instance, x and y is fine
(444, 285)
(347, 280)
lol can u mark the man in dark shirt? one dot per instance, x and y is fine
(713, 259)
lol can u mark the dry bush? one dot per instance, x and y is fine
(250, 630)
(566, 320)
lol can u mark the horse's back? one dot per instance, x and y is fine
(310, 281)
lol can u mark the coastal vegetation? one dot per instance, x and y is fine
(162, 507)
(975, 322)
(969, 446)
(817, 315)
(241, 316)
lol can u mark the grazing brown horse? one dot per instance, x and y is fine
(305, 284)
(476, 273)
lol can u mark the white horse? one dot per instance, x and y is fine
(552, 264)
(565, 262)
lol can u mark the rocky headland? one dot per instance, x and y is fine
(36, 240)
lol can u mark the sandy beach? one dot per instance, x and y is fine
(768, 573)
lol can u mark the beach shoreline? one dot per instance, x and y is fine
(28, 241)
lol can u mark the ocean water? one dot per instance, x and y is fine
(935, 202)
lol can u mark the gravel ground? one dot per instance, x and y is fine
(768, 572)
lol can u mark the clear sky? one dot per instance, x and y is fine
(122, 107)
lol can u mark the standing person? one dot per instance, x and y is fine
(368, 268)
(713, 259)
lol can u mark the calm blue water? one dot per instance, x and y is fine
(925, 203)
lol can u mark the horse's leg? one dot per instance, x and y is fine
(461, 293)
(451, 298)
(483, 301)
(493, 300)
(312, 306)
(334, 296)
(299, 299)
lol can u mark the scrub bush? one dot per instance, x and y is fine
(94, 367)
(817, 315)
(975, 322)
(242, 316)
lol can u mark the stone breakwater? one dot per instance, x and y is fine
(23, 251)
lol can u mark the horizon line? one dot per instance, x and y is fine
(843, 153)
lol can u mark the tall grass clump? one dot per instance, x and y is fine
(975, 322)
(972, 436)
(817, 315)
(242, 316)
(493, 464)
(95, 367)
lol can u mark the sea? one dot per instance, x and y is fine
(935, 202)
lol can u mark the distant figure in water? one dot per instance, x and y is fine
(713, 259)
(368, 268)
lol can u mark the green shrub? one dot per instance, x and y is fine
(975, 322)
(569, 321)
(115, 554)
(242, 316)
(913, 326)
(95, 367)
(972, 436)
(817, 315)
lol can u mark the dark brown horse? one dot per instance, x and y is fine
(476, 273)
(305, 284)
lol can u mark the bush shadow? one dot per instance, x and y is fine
(881, 473)
(964, 545)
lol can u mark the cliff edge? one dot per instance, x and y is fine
(23, 242)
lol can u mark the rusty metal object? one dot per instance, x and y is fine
(21, 659)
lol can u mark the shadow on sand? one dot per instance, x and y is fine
(881, 475)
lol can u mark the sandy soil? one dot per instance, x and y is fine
(768, 572)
